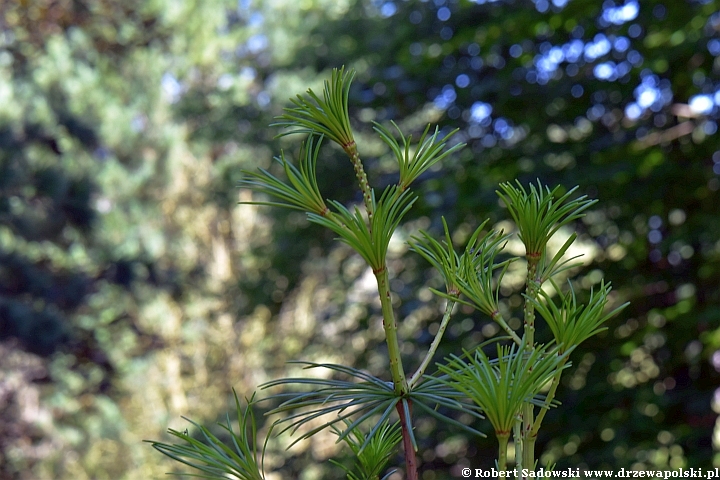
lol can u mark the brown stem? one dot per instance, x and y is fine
(410, 458)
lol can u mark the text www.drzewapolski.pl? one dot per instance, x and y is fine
(526, 473)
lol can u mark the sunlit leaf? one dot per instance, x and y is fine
(370, 241)
(572, 323)
(413, 161)
(302, 193)
(539, 212)
(327, 115)
(502, 386)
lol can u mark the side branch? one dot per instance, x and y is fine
(434, 345)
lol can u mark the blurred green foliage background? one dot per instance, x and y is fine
(134, 291)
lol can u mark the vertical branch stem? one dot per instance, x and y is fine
(351, 150)
(529, 451)
(502, 450)
(531, 289)
(529, 436)
(517, 436)
(391, 337)
(396, 369)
